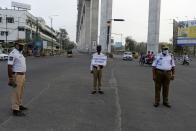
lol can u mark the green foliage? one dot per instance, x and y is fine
(130, 44)
(65, 41)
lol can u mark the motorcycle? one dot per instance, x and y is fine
(144, 60)
(186, 62)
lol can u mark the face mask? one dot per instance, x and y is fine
(20, 48)
(165, 52)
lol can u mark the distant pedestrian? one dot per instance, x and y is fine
(163, 72)
(16, 73)
(96, 70)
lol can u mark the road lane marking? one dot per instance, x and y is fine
(31, 101)
(113, 84)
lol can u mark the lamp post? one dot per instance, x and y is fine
(109, 25)
(6, 34)
(51, 22)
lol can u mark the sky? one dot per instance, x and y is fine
(135, 13)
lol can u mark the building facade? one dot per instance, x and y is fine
(19, 24)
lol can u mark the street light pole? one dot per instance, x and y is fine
(18, 26)
(6, 33)
(109, 24)
(51, 20)
(108, 34)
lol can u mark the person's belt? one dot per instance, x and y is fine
(163, 70)
(19, 73)
(95, 67)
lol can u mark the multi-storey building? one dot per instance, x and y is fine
(19, 24)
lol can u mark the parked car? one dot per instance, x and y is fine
(127, 56)
(3, 56)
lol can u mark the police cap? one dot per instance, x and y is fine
(20, 43)
(165, 46)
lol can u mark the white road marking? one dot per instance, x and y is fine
(113, 84)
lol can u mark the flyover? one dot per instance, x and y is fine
(88, 25)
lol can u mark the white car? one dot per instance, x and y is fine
(127, 56)
(3, 56)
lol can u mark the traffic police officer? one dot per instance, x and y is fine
(163, 72)
(16, 74)
(96, 70)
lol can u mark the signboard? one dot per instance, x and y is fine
(94, 45)
(38, 44)
(21, 5)
(45, 44)
(186, 33)
(99, 60)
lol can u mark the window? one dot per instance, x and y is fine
(21, 29)
(4, 33)
(0, 19)
(10, 20)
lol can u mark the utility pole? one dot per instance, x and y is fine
(109, 32)
(61, 43)
(175, 33)
(51, 20)
(18, 26)
(108, 35)
(36, 37)
(6, 34)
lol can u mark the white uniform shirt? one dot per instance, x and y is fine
(17, 60)
(164, 62)
(94, 55)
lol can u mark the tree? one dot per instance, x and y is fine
(141, 47)
(63, 38)
(130, 43)
(71, 45)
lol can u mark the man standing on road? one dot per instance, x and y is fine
(16, 74)
(163, 72)
(96, 70)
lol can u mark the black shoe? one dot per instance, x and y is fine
(101, 92)
(167, 105)
(93, 92)
(22, 108)
(156, 104)
(18, 113)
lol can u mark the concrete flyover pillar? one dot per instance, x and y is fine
(106, 15)
(153, 25)
(87, 27)
(94, 18)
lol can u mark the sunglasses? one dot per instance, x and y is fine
(165, 48)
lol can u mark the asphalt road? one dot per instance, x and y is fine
(58, 96)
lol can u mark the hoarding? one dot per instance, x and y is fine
(186, 33)
(21, 5)
(45, 44)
